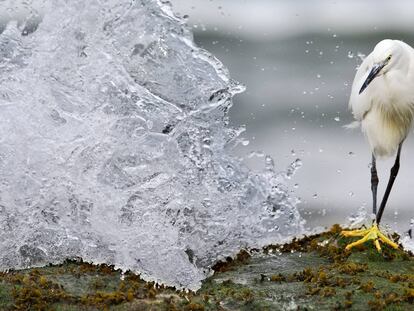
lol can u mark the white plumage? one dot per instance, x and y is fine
(385, 107)
(382, 101)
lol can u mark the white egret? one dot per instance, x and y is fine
(382, 102)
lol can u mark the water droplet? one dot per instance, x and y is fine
(206, 202)
(296, 186)
(339, 171)
(350, 54)
(337, 119)
(293, 167)
(350, 153)
(361, 56)
(318, 76)
(293, 153)
(320, 150)
(315, 196)
(259, 154)
(351, 194)
(245, 142)
(269, 163)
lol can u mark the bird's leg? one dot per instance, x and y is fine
(374, 184)
(374, 233)
(393, 175)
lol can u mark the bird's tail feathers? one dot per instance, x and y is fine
(352, 125)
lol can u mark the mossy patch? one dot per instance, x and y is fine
(314, 272)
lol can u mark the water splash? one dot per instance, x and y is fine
(115, 146)
(360, 217)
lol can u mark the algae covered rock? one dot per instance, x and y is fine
(313, 273)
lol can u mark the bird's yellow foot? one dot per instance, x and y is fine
(372, 233)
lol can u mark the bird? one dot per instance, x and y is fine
(382, 103)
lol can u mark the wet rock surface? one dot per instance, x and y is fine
(313, 273)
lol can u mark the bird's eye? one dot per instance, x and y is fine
(389, 57)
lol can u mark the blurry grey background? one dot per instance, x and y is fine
(297, 60)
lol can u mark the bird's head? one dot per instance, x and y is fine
(384, 58)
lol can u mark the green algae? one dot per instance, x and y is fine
(310, 273)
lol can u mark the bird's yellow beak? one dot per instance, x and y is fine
(372, 75)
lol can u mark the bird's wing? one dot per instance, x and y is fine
(360, 104)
